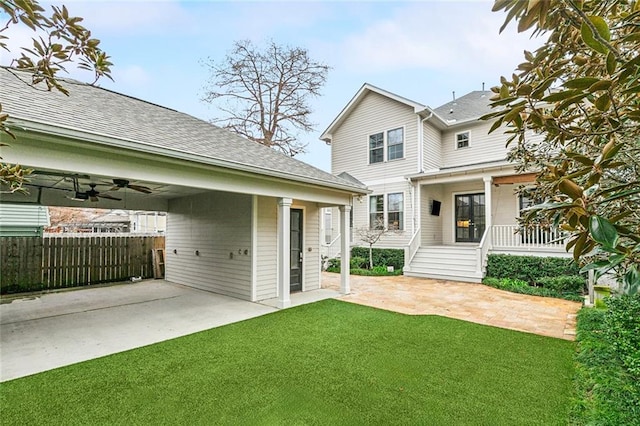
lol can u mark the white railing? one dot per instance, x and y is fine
(411, 249)
(530, 237)
(483, 249)
(332, 249)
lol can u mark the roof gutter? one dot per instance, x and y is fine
(130, 144)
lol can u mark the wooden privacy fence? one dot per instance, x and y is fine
(33, 263)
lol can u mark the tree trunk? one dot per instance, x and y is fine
(370, 256)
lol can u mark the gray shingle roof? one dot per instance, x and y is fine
(470, 106)
(96, 110)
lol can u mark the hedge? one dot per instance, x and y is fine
(381, 257)
(529, 268)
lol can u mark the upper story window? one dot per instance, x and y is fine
(395, 144)
(391, 141)
(376, 148)
(462, 140)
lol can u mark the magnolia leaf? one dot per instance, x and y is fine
(561, 96)
(600, 85)
(589, 39)
(611, 63)
(581, 83)
(601, 27)
(603, 232)
(603, 102)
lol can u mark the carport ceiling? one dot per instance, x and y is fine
(54, 187)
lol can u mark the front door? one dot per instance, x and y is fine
(296, 250)
(470, 218)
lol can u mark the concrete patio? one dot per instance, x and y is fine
(470, 302)
(47, 331)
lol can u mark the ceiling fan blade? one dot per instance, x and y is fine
(110, 197)
(140, 188)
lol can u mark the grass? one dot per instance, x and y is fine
(327, 363)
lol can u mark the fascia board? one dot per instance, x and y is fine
(124, 143)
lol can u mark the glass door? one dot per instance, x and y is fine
(470, 218)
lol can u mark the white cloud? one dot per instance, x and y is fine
(436, 36)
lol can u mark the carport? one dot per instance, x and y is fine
(243, 219)
(43, 332)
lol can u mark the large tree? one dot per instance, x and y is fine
(264, 94)
(59, 41)
(573, 110)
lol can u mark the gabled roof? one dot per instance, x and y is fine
(468, 107)
(364, 90)
(146, 127)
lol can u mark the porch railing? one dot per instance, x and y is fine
(411, 249)
(332, 249)
(483, 249)
(530, 237)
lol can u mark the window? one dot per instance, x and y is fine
(390, 214)
(376, 211)
(395, 206)
(376, 148)
(395, 144)
(462, 140)
(392, 140)
(328, 222)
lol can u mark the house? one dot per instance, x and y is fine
(437, 177)
(23, 220)
(242, 219)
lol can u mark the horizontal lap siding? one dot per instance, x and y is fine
(431, 227)
(311, 248)
(267, 255)
(350, 142)
(483, 147)
(432, 147)
(361, 215)
(218, 226)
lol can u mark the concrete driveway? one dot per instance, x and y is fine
(52, 330)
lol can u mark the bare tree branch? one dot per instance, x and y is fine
(264, 95)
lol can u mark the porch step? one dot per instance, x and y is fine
(445, 262)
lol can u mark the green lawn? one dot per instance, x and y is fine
(330, 362)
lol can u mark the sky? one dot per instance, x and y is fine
(422, 50)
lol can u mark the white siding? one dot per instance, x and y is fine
(311, 247)
(218, 226)
(23, 215)
(431, 146)
(361, 215)
(505, 205)
(483, 147)
(267, 255)
(350, 142)
(431, 227)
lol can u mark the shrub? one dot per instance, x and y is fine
(564, 283)
(622, 331)
(606, 394)
(529, 268)
(333, 265)
(377, 271)
(381, 257)
(358, 262)
(523, 287)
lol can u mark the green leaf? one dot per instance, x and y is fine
(581, 83)
(561, 96)
(603, 232)
(611, 63)
(603, 102)
(601, 27)
(589, 39)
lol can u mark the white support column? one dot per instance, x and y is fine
(487, 201)
(284, 252)
(345, 249)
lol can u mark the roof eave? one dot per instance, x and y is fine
(109, 140)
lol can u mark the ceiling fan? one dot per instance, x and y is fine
(92, 195)
(123, 183)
